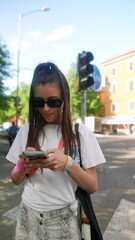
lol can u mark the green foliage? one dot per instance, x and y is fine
(4, 73)
(75, 96)
(22, 110)
(4, 66)
(11, 111)
(23, 94)
(24, 91)
(94, 105)
(4, 107)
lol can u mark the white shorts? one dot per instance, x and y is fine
(52, 225)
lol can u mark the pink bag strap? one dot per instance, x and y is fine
(61, 144)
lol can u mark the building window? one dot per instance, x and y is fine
(113, 71)
(113, 87)
(131, 84)
(131, 105)
(131, 65)
(113, 107)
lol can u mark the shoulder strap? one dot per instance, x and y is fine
(61, 144)
(79, 143)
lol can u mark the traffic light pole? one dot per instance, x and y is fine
(83, 106)
(85, 69)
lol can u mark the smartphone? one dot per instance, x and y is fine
(34, 154)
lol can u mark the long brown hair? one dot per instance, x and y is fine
(50, 73)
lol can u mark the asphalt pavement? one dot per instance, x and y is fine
(119, 153)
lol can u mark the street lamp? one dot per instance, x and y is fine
(44, 9)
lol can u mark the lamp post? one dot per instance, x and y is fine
(44, 9)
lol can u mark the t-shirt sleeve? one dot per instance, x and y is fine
(18, 145)
(91, 152)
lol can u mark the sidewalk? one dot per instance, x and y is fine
(98, 135)
(122, 224)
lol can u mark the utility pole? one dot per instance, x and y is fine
(83, 106)
(85, 69)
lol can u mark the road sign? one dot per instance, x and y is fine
(97, 78)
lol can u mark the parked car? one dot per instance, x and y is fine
(3, 131)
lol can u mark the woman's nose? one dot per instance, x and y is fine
(46, 107)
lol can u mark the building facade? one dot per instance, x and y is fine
(118, 96)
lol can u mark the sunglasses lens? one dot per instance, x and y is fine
(39, 103)
(54, 103)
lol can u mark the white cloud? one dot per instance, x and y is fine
(60, 33)
(35, 35)
(62, 47)
(25, 45)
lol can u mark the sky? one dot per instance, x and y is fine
(102, 27)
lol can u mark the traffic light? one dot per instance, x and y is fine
(85, 68)
(16, 102)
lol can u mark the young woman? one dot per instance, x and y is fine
(48, 209)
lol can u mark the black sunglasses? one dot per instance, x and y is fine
(53, 103)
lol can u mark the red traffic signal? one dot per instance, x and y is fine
(85, 69)
(86, 57)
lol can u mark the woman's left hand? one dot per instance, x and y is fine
(56, 161)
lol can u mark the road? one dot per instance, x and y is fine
(116, 185)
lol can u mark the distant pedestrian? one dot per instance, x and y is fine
(12, 132)
(48, 210)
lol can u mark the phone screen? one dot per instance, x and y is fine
(34, 154)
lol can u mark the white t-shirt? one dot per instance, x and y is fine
(51, 190)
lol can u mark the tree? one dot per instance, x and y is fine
(93, 106)
(75, 96)
(23, 94)
(4, 73)
(24, 91)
